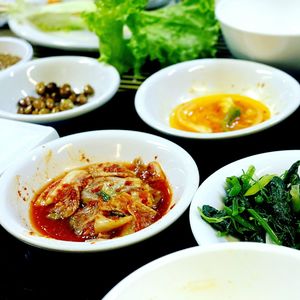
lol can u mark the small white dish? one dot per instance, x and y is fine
(77, 40)
(211, 191)
(228, 271)
(179, 83)
(78, 71)
(24, 178)
(266, 31)
(17, 47)
(20, 138)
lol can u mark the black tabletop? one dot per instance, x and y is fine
(31, 273)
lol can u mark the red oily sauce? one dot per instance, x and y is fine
(86, 206)
(57, 229)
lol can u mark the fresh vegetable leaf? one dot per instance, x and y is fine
(259, 185)
(265, 225)
(175, 33)
(239, 219)
(292, 176)
(216, 219)
(247, 178)
(295, 193)
(108, 22)
(233, 186)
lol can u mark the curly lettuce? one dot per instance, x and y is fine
(175, 33)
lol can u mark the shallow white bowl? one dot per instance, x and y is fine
(211, 191)
(229, 271)
(21, 137)
(266, 31)
(75, 70)
(26, 176)
(15, 46)
(181, 82)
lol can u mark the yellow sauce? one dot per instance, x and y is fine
(218, 113)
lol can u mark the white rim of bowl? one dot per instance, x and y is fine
(145, 116)
(223, 20)
(28, 50)
(179, 255)
(97, 246)
(76, 111)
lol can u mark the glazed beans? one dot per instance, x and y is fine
(53, 98)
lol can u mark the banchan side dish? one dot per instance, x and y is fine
(218, 113)
(102, 201)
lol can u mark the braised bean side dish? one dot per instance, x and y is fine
(53, 98)
(102, 201)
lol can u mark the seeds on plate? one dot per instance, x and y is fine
(7, 60)
(53, 98)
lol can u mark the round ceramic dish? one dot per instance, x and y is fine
(265, 31)
(26, 176)
(228, 271)
(211, 191)
(77, 71)
(179, 83)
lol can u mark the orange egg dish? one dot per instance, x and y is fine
(218, 113)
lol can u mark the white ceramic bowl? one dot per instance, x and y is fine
(266, 31)
(75, 70)
(26, 176)
(229, 271)
(17, 47)
(211, 191)
(181, 82)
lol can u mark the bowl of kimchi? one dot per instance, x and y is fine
(96, 191)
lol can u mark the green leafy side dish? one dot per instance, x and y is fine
(256, 209)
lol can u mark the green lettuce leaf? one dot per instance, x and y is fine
(179, 32)
(108, 21)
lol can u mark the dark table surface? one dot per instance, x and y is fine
(32, 273)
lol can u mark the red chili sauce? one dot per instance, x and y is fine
(60, 229)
